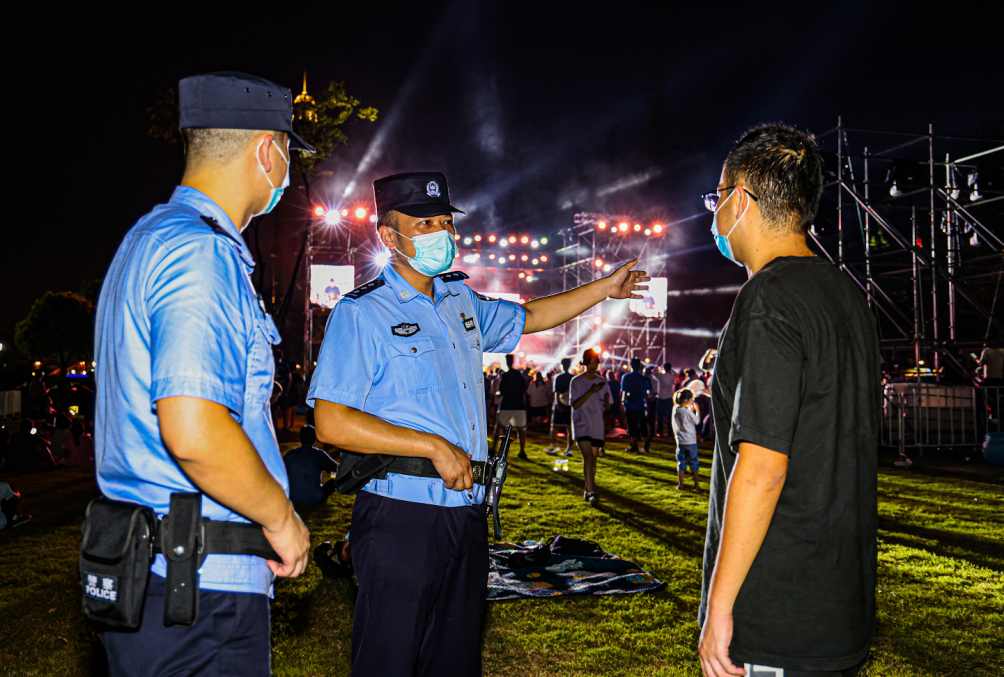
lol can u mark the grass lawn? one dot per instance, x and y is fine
(940, 597)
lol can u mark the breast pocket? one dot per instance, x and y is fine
(261, 366)
(413, 366)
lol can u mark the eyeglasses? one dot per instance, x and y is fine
(711, 199)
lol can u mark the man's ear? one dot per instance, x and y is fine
(261, 147)
(387, 237)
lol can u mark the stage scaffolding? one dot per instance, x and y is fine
(919, 227)
(581, 245)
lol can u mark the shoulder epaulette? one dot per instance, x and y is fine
(217, 228)
(453, 276)
(365, 289)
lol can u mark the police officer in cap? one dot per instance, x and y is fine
(184, 375)
(400, 373)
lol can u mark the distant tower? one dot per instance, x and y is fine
(304, 105)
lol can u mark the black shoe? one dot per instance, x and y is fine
(523, 457)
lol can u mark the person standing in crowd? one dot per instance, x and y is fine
(512, 405)
(304, 465)
(686, 418)
(613, 379)
(590, 396)
(791, 552)
(634, 389)
(561, 415)
(539, 393)
(38, 398)
(664, 379)
(651, 405)
(59, 436)
(78, 449)
(399, 373)
(184, 373)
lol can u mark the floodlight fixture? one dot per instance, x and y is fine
(345, 212)
(512, 257)
(543, 240)
(373, 218)
(637, 227)
(318, 210)
(602, 225)
(648, 231)
(534, 262)
(468, 241)
(622, 227)
(657, 228)
(361, 212)
(381, 258)
(512, 239)
(491, 238)
(524, 257)
(597, 320)
(524, 240)
(477, 238)
(503, 243)
(332, 218)
(534, 243)
(522, 275)
(543, 258)
(598, 263)
(492, 257)
(606, 268)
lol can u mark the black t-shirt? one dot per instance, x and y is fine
(798, 372)
(512, 385)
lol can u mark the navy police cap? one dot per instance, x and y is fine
(416, 194)
(227, 100)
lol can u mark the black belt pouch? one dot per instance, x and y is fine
(115, 555)
(181, 543)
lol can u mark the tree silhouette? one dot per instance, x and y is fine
(60, 325)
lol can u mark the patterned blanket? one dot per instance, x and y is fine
(564, 575)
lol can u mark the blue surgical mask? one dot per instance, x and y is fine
(723, 240)
(434, 252)
(276, 195)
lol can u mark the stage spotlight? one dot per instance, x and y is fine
(543, 240)
(524, 257)
(456, 237)
(602, 225)
(529, 278)
(622, 227)
(522, 275)
(471, 258)
(598, 263)
(503, 243)
(647, 360)
(477, 238)
(637, 227)
(606, 354)
(534, 243)
(512, 257)
(524, 240)
(648, 231)
(318, 210)
(373, 218)
(492, 257)
(360, 212)
(535, 261)
(501, 261)
(543, 258)
(597, 320)
(512, 239)
(491, 238)
(345, 212)
(606, 268)
(331, 218)
(381, 258)
(468, 241)
(598, 349)
(657, 229)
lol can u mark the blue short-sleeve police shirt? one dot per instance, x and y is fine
(393, 352)
(179, 316)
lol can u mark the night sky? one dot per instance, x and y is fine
(531, 109)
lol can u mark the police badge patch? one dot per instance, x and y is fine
(432, 189)
(107, 591)
(405, 329)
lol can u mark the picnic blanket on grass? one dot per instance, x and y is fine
(564, 575)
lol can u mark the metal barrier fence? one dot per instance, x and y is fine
(927, 415)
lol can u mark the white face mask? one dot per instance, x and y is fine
(276, 195)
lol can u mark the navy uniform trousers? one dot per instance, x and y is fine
(230, 639)
(423, 576)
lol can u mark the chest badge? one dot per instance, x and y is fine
(405, 329)
(468, 322)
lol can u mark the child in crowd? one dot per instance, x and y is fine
(685, 420)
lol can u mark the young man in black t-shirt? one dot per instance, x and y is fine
(790, 557)
(512, 406)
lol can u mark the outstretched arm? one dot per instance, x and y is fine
(550, 311)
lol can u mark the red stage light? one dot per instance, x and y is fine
(524, 239)
(637, 227)
(524, 257)
(522, 275)
(360, 212)
(345, 212)
(602, 225)
(598, 263)
(512, 239)
(512, 257)
(491, 238)
(622, 227)
(318, 210)
(543, 258)
(657, 229)
(477, 238)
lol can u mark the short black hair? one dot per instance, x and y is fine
(635, 364)
(668, 366)
(509, 359)
(307, 436)
(220, 146)
(388, 219)
(566, 363)
(783, 168)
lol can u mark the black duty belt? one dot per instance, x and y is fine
(356, 470)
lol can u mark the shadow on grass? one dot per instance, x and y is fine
(980, 552)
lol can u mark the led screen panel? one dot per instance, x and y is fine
(328, 284)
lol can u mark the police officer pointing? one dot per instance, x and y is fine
(184, 375)
(400, 373)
